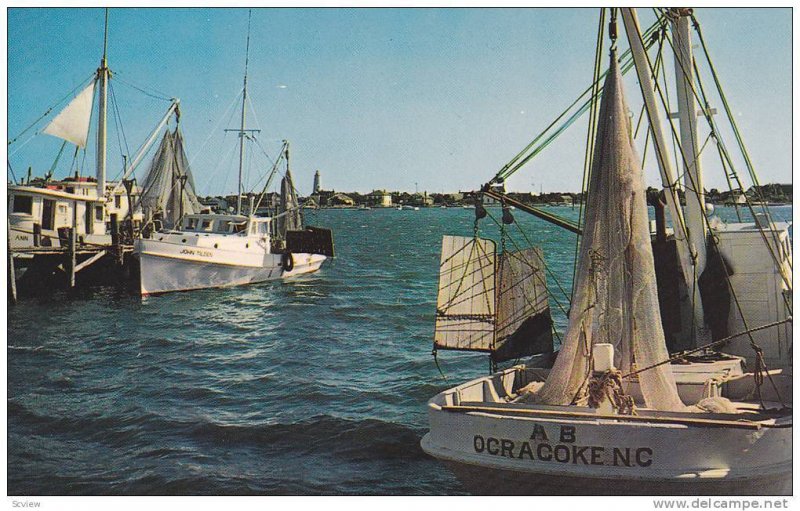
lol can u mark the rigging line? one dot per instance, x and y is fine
(119, 116)
(119, 129)
(503, 173)
(547, 270)
(229, 112)
(50, 110)
(155, 94)
(590, 133)
(269, 178)
(10, 169)
(731, 118)
(707, 107)
(625, 68)
(710, 120)
(19, 147)
(751, 170)
(720, 342)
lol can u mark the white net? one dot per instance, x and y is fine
(615, 299)
(291, 219)
(168, 188)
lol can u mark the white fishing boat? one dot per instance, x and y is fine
(614, 413)
(212, 250)
(208, 250)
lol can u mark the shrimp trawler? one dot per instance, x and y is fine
(614, 412)
(40, 208)
(208, 250)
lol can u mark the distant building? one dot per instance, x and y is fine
(422, 199)
(216, 204)
(380, 198)
(454, 197)
(340, 199)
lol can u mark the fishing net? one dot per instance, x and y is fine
(615, 299)
(163, 189)
(290, 219)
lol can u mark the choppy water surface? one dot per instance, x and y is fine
(316, 385)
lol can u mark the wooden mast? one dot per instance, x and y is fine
(242, 128)
(102, 77)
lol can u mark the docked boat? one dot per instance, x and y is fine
(614, 412)
(40, 207)
(210, 250)
(213, 250)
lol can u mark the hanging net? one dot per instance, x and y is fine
(168, 188)
(615, 299)
(290, 219)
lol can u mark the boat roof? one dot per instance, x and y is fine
(36, 190)
(228, 218)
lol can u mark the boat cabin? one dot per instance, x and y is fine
(210, 223)
(47, 206)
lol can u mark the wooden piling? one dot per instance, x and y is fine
(70, 262)
(37, 235)
(116, 241)
(12, 275)
(73, 233)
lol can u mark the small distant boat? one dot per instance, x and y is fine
(364, 208)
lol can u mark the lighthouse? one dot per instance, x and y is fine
(316, 183)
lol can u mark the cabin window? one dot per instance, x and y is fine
(62, 209)
(206, 225)
(191, 224)
(23, 204)
(48, 214)
(70, 189)
(98, 213)
(118, 201)
(263, 228)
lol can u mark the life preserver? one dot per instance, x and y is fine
(287, 261)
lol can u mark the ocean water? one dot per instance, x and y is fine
(315, 385)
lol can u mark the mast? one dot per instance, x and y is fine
(243, 124)
(687, 116)
(102, 77)
(687, 255)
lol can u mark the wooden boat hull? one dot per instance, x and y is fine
(172, 271)
(481, 480)
(501, 448)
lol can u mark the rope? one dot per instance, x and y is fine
(592, 129)
(609, 386)
(436, 361)
(154, 94)
(705, 347)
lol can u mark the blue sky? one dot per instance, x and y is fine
(439, 99)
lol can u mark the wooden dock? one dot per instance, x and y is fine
(37, 270)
